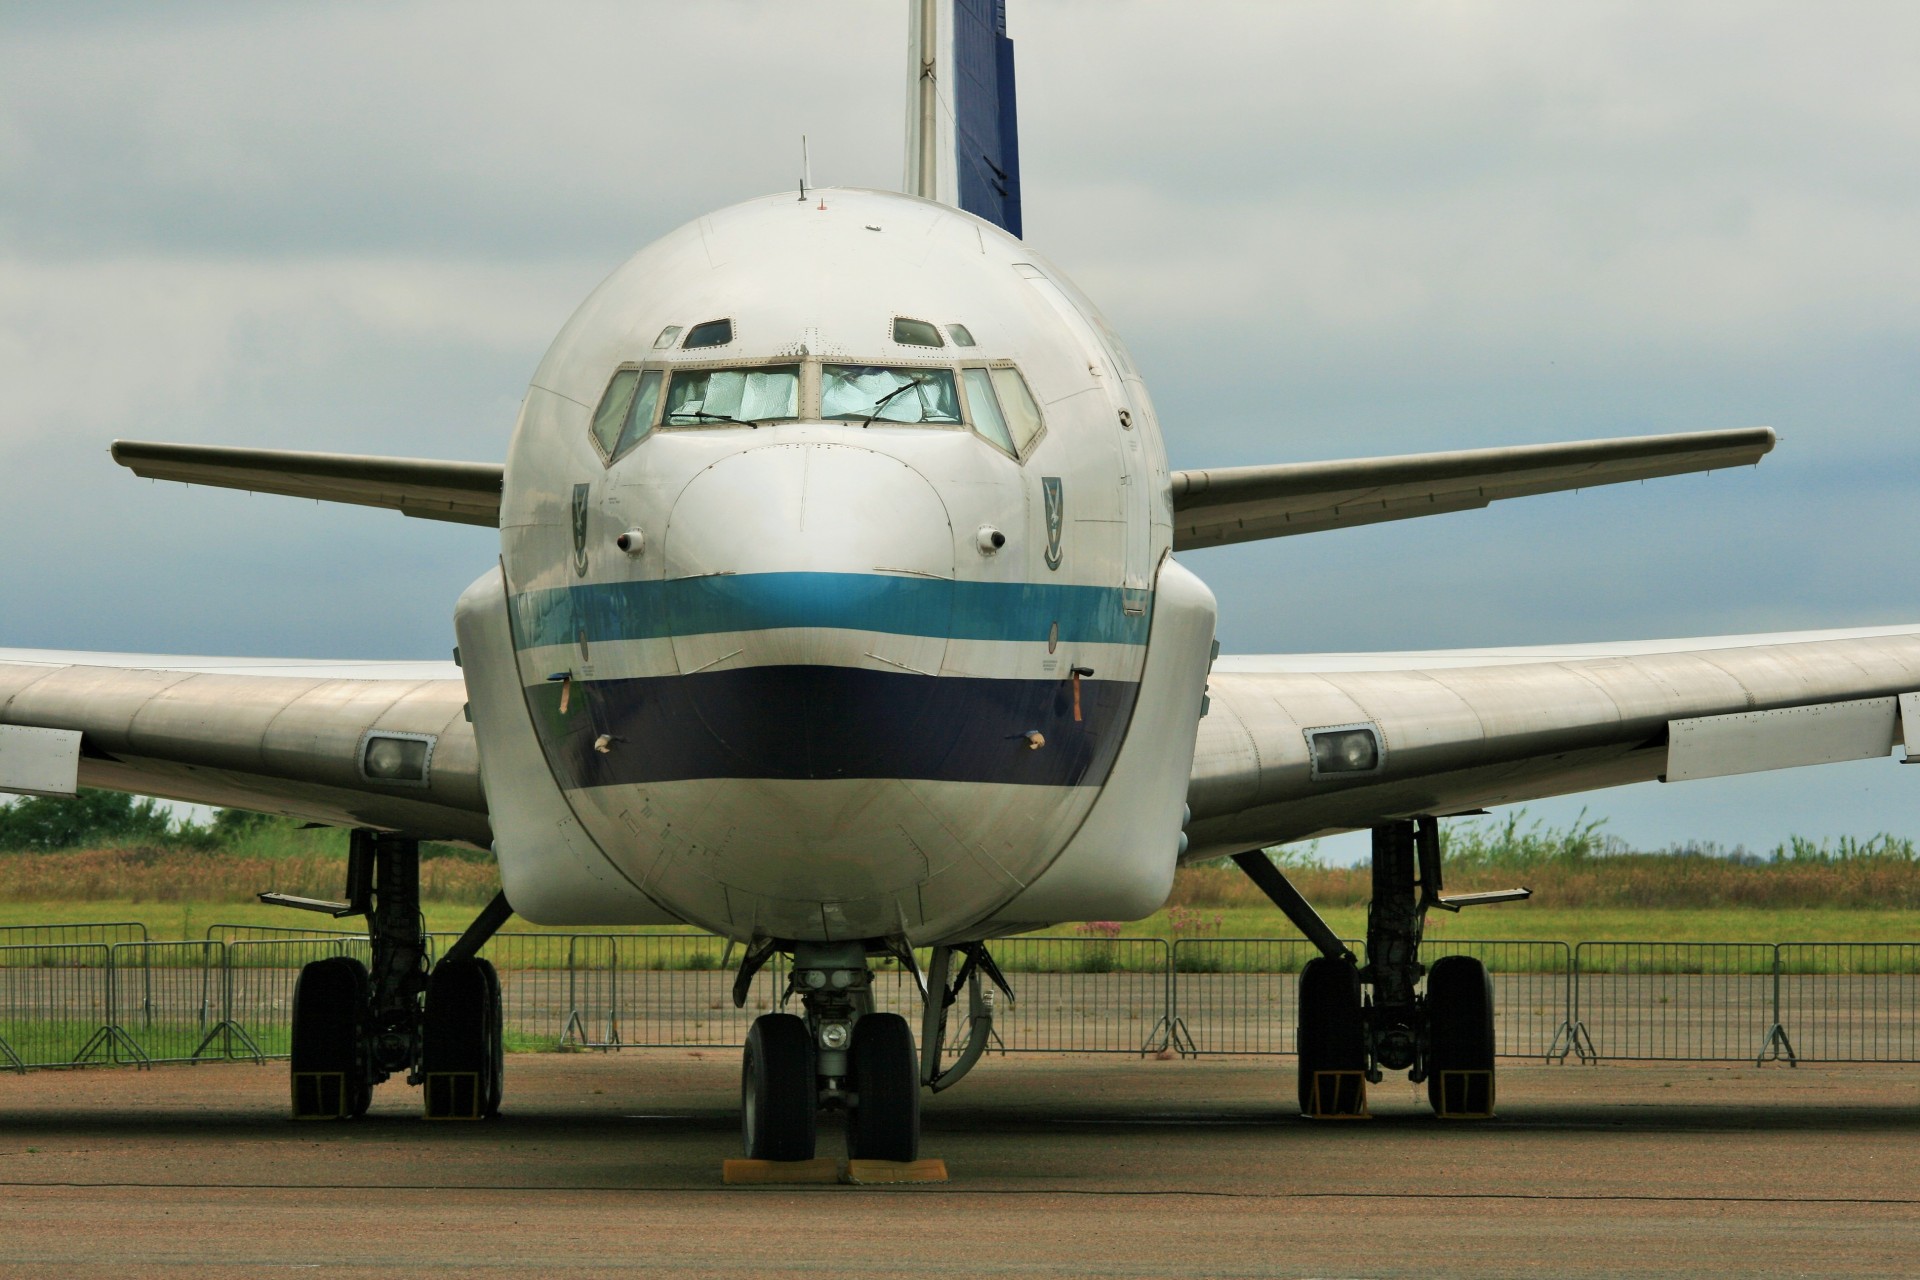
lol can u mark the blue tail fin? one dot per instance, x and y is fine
(986, 123)
(963, 139)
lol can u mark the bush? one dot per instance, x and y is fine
(46, 823)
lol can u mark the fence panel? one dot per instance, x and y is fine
(278, 932)
(536, 996)
(1532, 991)
(1083, 995)
(169, 1002)
(1239, 995)
(19, 935)
(260, 977)
(676, 990)
(1850, 1001)
(1681, 1001)
(54, 1001)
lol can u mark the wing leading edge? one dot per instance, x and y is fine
(1240, 504)
(1471, 729)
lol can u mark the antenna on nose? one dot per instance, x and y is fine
(806, 168)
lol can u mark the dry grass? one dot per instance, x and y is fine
(142, 873)
(1649, 880)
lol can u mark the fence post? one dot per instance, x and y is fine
(111, 1038)
(1169, 1032)
(1776, 1037)
(226, 1029)
(1572, 1036)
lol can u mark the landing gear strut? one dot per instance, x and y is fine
(840, 1055)
(1442, 1035)
(356, 1025)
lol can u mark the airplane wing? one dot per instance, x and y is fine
(1239, 504)
(1295, 747)
(463, 492)
(366, 744)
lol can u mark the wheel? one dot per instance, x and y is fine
(885, 1121)
(460, 1050)
(1460, 1038)
(779, 1095)
(1332, 1039)
(499, 1039)
(329, 1044)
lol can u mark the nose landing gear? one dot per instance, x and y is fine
(841, 1055)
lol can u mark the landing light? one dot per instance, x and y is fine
(396, 757)
(1344, 749)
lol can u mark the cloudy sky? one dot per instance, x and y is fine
(1326, 229)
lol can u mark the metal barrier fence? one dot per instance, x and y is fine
(1241, 995)
(114, 998)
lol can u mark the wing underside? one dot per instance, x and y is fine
(271, 735)
(1464, 730)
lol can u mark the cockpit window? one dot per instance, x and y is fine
(916, 333)
(612, 413)
(1016, 403)
(667, 335)
(625, 415)
(961, 335)
(639, 418)
(703, 397)
(712, 333)
(985, 408)
(859, 391)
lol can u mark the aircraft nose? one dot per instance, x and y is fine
(812, 554)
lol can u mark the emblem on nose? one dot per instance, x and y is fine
(1056, 517)
(580, 497)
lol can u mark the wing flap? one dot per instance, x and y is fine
(462, 492)
(1240, 504)
(1782, 738)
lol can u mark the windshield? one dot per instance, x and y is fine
(888, 395)
(697, 397)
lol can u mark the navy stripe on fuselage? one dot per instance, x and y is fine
(815, 722)
(608, 612)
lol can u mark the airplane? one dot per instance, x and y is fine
(840, 612)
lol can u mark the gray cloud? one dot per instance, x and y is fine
(1326, 230)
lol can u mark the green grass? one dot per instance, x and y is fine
(1525, 921)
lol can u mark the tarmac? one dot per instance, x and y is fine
(1060, 1166)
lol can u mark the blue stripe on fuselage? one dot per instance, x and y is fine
(606, 612)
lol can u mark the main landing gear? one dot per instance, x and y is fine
(1442, 1036)
(356, 1025)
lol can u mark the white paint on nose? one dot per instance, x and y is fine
(830, 533)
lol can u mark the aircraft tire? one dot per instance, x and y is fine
(1460, 1037)
(779, 1095)
(460, 1049)
(1332, 1038)
(885, 1121)
(329, 1073)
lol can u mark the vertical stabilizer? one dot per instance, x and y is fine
(963, 145)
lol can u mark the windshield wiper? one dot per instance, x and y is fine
(881, 403)
(704, 416)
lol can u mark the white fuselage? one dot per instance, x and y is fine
(809, 697)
